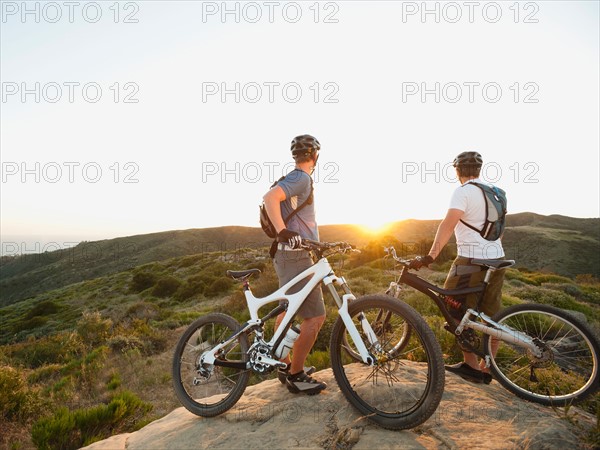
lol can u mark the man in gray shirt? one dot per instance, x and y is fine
(290, 259)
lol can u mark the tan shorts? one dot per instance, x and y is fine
(463, 275)
(288, 264)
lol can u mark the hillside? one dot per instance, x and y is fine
(83, 349)
(559, 244)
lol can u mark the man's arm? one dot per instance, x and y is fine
(444, 231)
(272, 200)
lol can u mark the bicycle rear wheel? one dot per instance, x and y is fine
(208, 390)
(567, 370)
(404, 388)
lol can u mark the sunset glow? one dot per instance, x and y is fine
(375, 227)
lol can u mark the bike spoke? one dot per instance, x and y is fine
(565, 366)
(401, 381)
(204, 389)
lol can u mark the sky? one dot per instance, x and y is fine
(125, 118)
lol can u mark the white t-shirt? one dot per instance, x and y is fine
(470, 244)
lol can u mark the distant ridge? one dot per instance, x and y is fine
(554, 243)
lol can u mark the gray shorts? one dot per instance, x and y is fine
(288, 264)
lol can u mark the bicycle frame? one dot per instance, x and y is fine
(320, 272)
(492, 328)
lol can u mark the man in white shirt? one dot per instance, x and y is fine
(466, 215)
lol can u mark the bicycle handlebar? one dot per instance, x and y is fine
(309, 244)
(392, 252)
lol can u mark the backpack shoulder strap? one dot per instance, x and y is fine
(486, 203)
(307, 202)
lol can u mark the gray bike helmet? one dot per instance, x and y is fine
(305, 145)
(468, 159)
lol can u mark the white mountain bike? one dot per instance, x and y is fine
(394, 388)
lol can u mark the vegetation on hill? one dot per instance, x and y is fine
(563, 245)
(91, 359)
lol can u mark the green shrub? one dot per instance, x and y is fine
(54, 349)
(517, 274)
(217, 268)
(558, 299)
(362, 286)
(549, 278)
(218, 287)
(142, 281)
(124, 343)
(586, 278)
(81, 373)
(181, 318)
(166, 286)
(154, 341)
(590, 294)
(319, 359)
(421, 302)
(190, 289)
(364, 272)
(44, 308)
(234, 304)
(44, 373)
(142, 311)
(114, 382)
(514, 282)
(447, 340)
(75, 429)
(509, 300)
(62, 390)
(190, 261)
(29, 324)
(93, 329)
(530, 294)
(572, 290)
(204, 278)
(18, 402)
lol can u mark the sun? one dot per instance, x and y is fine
(374, 228)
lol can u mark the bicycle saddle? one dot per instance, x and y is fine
(241, 274)
(495, 263)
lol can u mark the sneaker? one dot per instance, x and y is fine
(468, 373)
(487, 377)
(282, 374)
(301, 383)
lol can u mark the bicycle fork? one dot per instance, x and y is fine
(342, 304)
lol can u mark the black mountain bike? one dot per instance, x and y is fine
(545, 355)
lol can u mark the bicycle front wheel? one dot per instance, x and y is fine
(208, 390)
(404, 388)
(381, 324)
(566, 371)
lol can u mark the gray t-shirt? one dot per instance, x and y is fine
(297, 188)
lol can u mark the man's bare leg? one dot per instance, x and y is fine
(308, 335)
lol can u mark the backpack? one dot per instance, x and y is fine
(266, 223)
(495, 212)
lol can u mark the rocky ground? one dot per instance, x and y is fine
(268, 417)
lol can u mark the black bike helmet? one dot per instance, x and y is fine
(305, 145)
(468, 159)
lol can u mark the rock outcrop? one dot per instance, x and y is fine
(268, 417)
